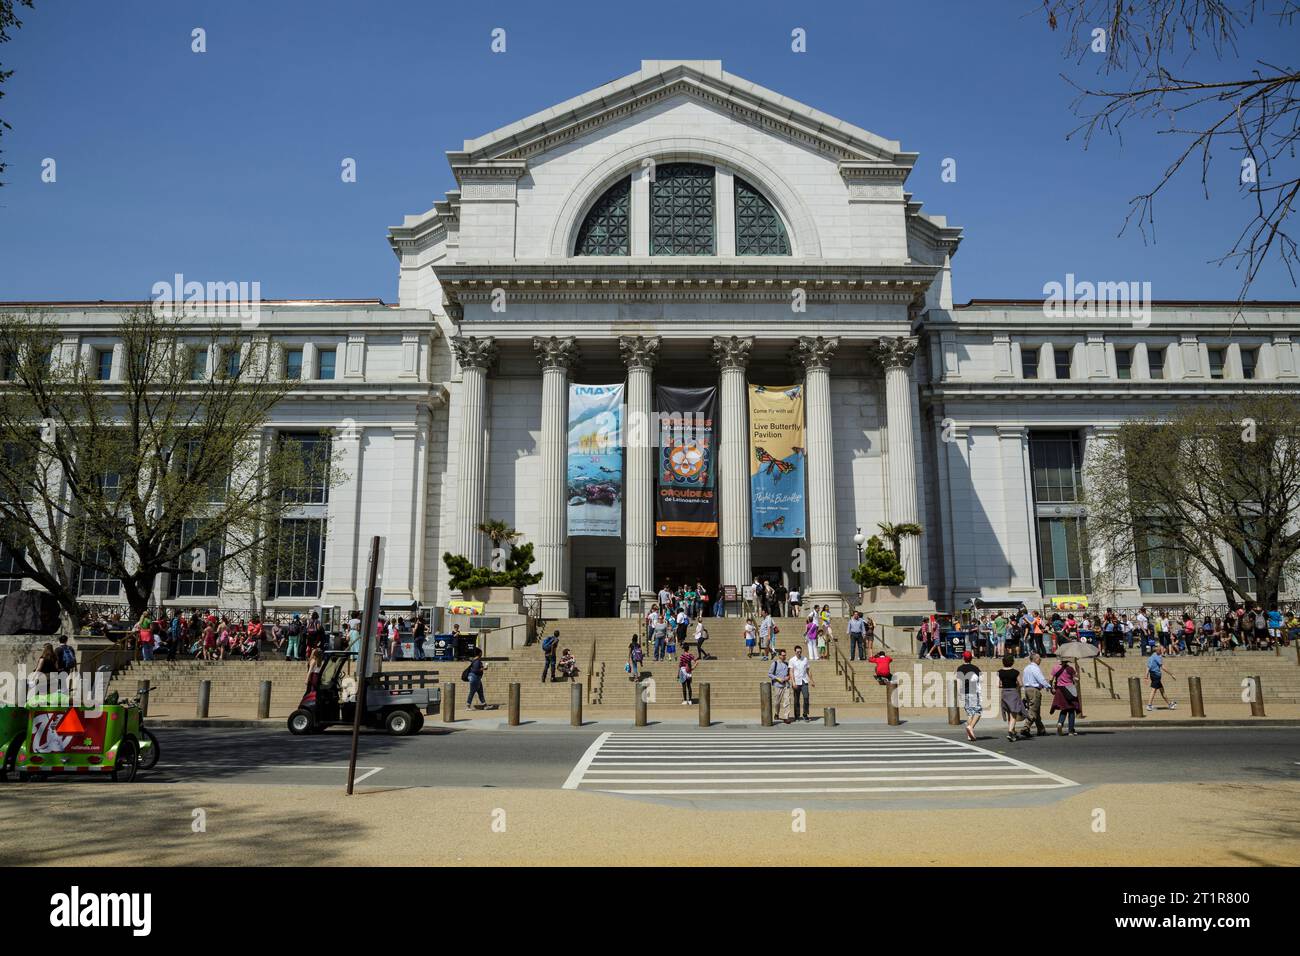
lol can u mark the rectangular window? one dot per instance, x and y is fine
(326, 364)
(1216, 362)
(198, 365)
(1124, 363)
(232, 363)
(307, 483)
(1158, 566)
(196, 467)
(8, 365)
(200, 573)
(1062, 358)
(293, 364)
(1063, 556)
(94, 581)
(1249, 363)
(1156, 362)
(11, 579)
(1056, 459)
(1029, 361)
(1245, 580)
(299, 565)
(103, 364)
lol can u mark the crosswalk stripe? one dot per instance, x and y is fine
(661, 764)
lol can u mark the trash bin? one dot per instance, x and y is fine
(443, 648)
(465, 646)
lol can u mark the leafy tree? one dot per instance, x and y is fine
(1176, 491)
(895, 533)
(464, 576)
(159, 468)
(499, 532)
(880, 567)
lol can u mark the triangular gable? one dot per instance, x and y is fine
(659, 79)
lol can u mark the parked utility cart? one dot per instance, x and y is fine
(396, 701)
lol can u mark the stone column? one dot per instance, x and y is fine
(344, 512)
(732, 356)
(896, 355)
(556, 356)
(474, 356)
(814, 354)
(399, 566)
(640, 355)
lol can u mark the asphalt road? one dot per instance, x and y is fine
(932, 760)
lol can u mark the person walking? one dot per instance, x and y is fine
(969, 677)
(766, 638)
(801, 683)
(751, 633)
(419, 634)
(635, 655)
(811, 629)
(857, 630)
(685, 668)
(474, 676)
(683, 622)
(1156, 677)
(1013, 706)
(700, 636)
(660, 637)
(549, 644)
(1065, 696)
(1032, 685)
(779, 675)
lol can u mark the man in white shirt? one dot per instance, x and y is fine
(683, 622)
(801, 681)
(1033, 683)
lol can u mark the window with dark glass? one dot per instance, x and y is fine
(1063, 555)
(1062, 360)
(325, 363)
(308, 479)
(232, 363)
(682, 210)
(1216, 362)
(299, 565)
(1159, 568)
(759, 230)
(606, 229)
(198, 575)
(1249, 363)
(103, 364)
(1029, 360)
(293, 364)
(1124, 363)
(1156, 362)
(11, 578)
(198, 364)
(1056, 459)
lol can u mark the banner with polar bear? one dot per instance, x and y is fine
(685, 484)
(595, 465)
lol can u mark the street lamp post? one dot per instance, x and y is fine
(859, 540)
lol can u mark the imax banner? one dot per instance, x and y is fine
(688, 503)
(776, 461)
(595, 467)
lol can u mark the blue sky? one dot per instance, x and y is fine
(225, 165)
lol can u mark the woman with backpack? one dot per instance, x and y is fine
(685, 667)
(635, 655)
(473, 675)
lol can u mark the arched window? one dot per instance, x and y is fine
(759, 230)
(682, 210)
(605, 231)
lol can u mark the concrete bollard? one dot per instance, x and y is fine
(142, 692)
(891, 704)
(765, 703)
(575, 704)
(205, 696)
(828, 715)
(1257, 697)
(706, 705)
(1135, 697)
(1194, 691)
(954, 712)
(449, 702)
(639, 713)
(264, 700)
(512, 713)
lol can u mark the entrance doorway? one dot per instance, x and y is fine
(601, 600)
(681, 561)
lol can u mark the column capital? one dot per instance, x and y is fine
(731, 351)
(639, 351)
(473, 352)
(814, 351)
(897, 351)
(555, 352)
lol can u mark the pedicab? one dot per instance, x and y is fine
(59, 738)
(13, 729)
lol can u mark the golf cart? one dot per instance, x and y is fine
(395, 701)
(54, 737)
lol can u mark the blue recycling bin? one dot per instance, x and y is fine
(444, 647)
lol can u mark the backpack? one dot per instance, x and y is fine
(548, 644)
(67, 657)
(464, 675)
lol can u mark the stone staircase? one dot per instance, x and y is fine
(600, 648)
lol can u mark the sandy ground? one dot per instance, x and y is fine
(1158, 825)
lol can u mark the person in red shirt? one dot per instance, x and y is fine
(882, 662)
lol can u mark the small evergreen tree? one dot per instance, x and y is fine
(879, 567)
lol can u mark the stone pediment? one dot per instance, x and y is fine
(658, 80)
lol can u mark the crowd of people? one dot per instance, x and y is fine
(1022, 632)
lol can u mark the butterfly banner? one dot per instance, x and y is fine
(595, 466)
(776, 461)
(685, 485)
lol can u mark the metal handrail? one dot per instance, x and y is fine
(591, 668)
(1110, 675)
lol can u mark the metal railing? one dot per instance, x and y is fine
(1110, 677)
(844, 668)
